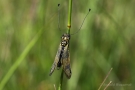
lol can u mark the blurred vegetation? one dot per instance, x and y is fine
(107, 39)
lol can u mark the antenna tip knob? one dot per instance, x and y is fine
(89, 9)
(58, 4)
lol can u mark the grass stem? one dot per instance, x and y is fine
(68, 31)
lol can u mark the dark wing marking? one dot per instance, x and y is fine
(57, 61)
(66, 62)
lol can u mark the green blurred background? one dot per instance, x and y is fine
(106, 40)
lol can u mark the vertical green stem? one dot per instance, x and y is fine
(61, 79)
(68, 31)
(69, 16)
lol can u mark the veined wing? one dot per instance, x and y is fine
(66, 62)
(57, 61)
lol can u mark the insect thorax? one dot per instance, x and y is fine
(65, 39)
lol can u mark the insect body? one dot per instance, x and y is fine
(62, 57)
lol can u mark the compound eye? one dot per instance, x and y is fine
(63, 37)
(67, 38)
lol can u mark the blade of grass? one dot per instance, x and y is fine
(19, 60)
(105, 79)
(107, 85)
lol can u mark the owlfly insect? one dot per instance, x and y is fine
(62, 57)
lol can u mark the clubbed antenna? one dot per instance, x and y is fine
(82, 22)
(59, 17)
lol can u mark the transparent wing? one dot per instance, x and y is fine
(66, 62)
(57, 62)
